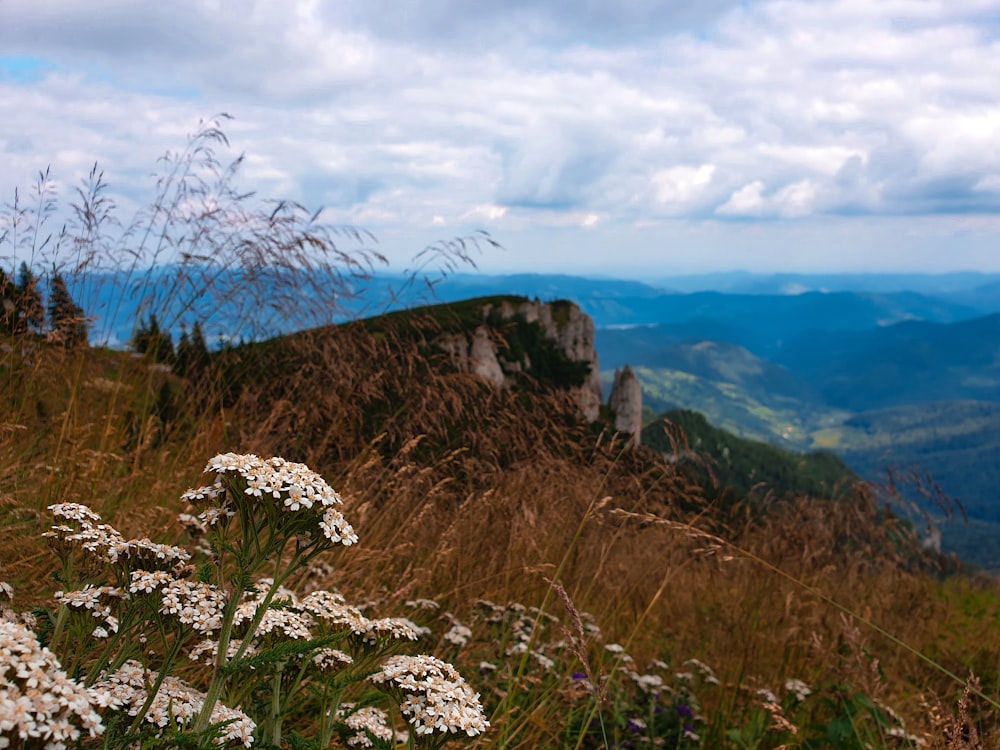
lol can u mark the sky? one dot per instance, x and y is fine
(628, 138)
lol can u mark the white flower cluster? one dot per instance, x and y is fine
(330, 607)
(706, 672)
(97, 600)
(798, 688)
(435, 697)
(526, 627)
(37, 699)
(364, 721)
(105, 543)
(422, 604)
(205, 651)
(193, 603)
(292, 486)
(458, 634)
(314, 615)
(647, 683)
(174, 703)
(6, 597)
(329, 659)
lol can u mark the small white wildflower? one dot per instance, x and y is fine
(328, 659)
(201, 495)
(545, 662)
(766, 695)
(397, 628)
(294, 625)
(706, 672)
(337, 529)
(215, 516)
(175, 702)
(368, 720)
(74, 512)
(435, 697)
(199, 605)
(207, 649)
(458, 634)
(422, 604)
(798, 688)
(37, 698)
(648, 683)
(148, 581)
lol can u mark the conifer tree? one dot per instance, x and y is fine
(66, 322)
(21, 308)
(29, 301)
(150, 340)
(192, 353)
(8, 303)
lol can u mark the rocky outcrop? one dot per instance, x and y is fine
(625, 403)
(570, 329)
(475, 353)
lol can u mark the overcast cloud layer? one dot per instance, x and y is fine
(636, 138)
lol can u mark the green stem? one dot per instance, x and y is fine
(218, 677)
(161, 675)
(57, 632)
(276, 705)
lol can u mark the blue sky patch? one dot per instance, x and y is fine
(23, 69)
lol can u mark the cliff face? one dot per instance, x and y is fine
(552, 340)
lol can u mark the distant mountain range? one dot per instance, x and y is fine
(745, 309)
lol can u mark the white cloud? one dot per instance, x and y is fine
(487, 212)
(796, 199)
(681, 185)
(747, 201)
(824, 159)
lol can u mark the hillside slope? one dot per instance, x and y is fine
(744, 466)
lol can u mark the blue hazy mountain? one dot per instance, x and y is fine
(758, 321)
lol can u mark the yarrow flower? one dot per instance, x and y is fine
(648, 683)
(104, 544)
(458, 634)
(798, 688)
(422, 604)
(199, 605)
(95, 599)
(366, 722)
(329, 659)
(175, 702)
(37, 699)
(207, 649)
(434, 697)
(706, 672)
(767, 696)
(292, 487)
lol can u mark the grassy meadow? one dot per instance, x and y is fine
(562, 589)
